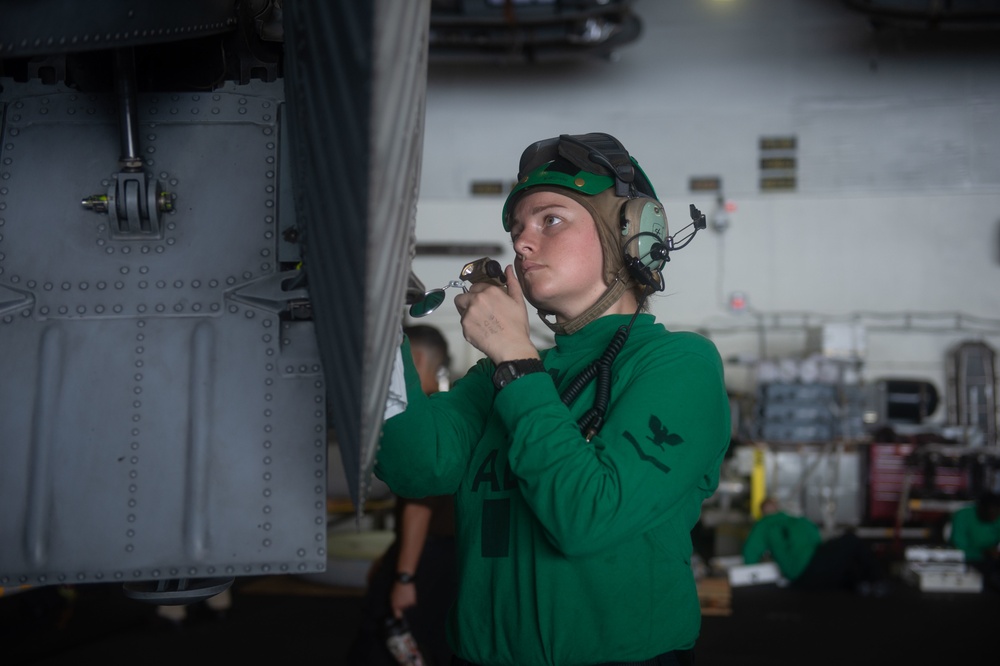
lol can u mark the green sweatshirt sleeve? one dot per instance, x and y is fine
(791, 542)
(961, 532)
(755, 547)
(658, 453)
(973, 536)
(424, 450)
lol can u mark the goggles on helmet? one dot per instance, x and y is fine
(584, 163)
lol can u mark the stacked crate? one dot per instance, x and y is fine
(796, 412)
(791, 412)
(715, 596)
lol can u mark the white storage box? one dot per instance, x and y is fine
(933, 554)
(939, 579)
(754, 574)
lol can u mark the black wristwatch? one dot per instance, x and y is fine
(404, 577)
(508, 371)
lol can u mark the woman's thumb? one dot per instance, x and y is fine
(513, 286)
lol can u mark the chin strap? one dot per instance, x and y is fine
(609, 298)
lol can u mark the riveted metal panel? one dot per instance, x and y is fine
(167, 381)
(33, 27)
(163, 417)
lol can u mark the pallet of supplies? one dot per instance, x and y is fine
(715, 596)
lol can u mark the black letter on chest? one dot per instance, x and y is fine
(487, 473)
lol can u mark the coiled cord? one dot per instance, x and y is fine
(593, 419)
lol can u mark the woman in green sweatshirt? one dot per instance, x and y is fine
(578, 471)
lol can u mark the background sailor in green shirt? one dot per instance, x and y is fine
(975, 530)
(806, 560)
(578, 471)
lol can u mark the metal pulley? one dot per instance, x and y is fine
(133, 204)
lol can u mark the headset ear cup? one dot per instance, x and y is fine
(644, 239)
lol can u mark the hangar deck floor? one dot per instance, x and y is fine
(286, 620)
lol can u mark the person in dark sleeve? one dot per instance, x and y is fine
(808, 561)
(415, 578)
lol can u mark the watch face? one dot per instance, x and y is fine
(508, 371)
(505, 374)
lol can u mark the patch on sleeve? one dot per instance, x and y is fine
(659, 435)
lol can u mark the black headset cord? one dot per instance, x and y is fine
(593, 419)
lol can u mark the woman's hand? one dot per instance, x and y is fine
(495, 320)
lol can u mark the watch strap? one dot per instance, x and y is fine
(508, 371)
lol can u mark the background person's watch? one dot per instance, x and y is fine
(508, 371)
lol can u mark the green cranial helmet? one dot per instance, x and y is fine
(550, 175)
(585, 163)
